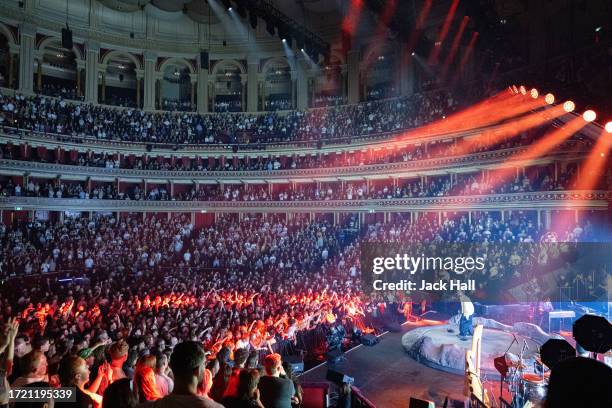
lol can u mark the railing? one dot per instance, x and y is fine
(561, 200)
(441, 165)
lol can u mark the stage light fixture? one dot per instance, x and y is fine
(284, 40)
(569, 106)
(534, 93)
(549, 98)
(523, 90)
(609, 127)
(301, 49)
(412, 54)
(589, 115)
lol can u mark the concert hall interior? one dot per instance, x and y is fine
(305, 203)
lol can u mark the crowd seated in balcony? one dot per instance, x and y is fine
(339, 123)
(433, 186)
(125, 101)
(228, 104)
(275, 104)
(176, 105)
(60, 91)
(328, 100)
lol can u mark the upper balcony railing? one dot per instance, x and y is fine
(434, 166)
(544, 200)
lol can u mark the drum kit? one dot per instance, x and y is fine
(527, 379)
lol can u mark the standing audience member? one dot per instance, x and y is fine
(275, 391)
(188, 364)
(144, 379)
(120, 395)
(73, 372)
(7, 351)
(165, 384)
(34, 368)
(247, 393)
(240, 359)
(118, 352)
(579, 382)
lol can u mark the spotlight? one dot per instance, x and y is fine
(534, 93)
(412, 54)
(569, 106)
(284, 40)
(589, 115)
(549, 98)
(230, 9)
(523, 90)
(301, 49)
(609, 127)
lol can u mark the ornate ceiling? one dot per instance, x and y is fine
(199, 10)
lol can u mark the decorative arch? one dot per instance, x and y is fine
(115, 53)
(43, 44)
(274, 61)
(177, 61)
(228, 62)
(6, 31)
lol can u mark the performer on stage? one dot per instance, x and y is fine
(467, 312)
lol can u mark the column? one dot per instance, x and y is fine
(150, 59)
(27, 34)
(243, 91)
(139, 76)
(353, 76)
(293, 89)
(213, 92)
(160, 93)
(202, 90)
(252, 84)
(302, 84)
(91, 71)
(13, 53)
(344, 76)
(39, 75)
(261, 87)
(79, 78)
(103, 87)
(194, 83)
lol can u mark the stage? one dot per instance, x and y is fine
(388, 376)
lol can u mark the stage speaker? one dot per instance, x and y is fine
(204, 59)
(334, 356)
(419, 403)
(369, 340)
(338, 378)
(296, 362)
(67, 38)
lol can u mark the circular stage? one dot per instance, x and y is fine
(440, 346)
